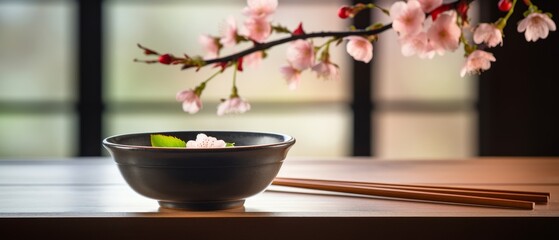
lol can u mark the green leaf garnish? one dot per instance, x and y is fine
(160, 140)
(229, 144)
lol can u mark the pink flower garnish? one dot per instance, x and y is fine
(191, 102)
(488, 34)
(407, 18)
(260, 8)
(359, 48)
(229, 36)
(536, 26)
(204, 141)
(292, 76)
(210, 45)
(444, 34)
(326, 70)
(258, 29)
(477, 62)
(300, 54)
(429, 5)
(233, 105)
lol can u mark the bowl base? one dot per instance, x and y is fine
(202, 206)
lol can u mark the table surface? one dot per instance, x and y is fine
(45, 193)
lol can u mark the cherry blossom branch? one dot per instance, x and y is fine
(264, 46)
(226, 61)
(445, 34)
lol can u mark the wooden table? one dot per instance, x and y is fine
(87, 198)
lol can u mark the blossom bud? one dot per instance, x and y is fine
(344, 12)
(166, 59)
(505, 5)
(462, 8)
(443, 8)
(299, 30)
(222, 65)
(240, 64)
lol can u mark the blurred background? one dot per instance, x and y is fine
(68, 80)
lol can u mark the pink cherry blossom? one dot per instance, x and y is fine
(229, 36)
(210, 45)
(300, 54)
(191, 102)
(477, 62)
(292, 76)
(359, 48)
(254, 59)
(204, 141)
(444, 33)
(260, 8)
(326, 70)
(258, 29)
(429, 5)
(488, 34)
(536, 26)
(418, 44)
(407, 18)
(233, 105)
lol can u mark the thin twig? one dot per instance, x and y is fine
(264, 46)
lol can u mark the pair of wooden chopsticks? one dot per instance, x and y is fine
(473, 196)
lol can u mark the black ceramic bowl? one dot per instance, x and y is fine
(200, 178)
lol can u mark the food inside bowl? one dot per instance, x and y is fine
(202, 141)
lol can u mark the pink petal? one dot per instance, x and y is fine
(359, 48)
(300, 54)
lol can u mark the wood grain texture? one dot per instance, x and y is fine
(81, 192)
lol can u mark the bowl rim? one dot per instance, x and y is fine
(106, 141)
